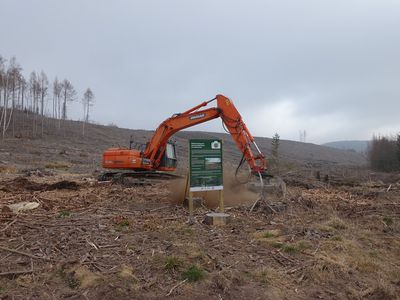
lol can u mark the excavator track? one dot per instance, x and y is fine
(137, 178)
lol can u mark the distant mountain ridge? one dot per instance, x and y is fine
(358, 146)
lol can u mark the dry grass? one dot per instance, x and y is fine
(8, 170)
(337, 223)
(57, 166)
(264, 275)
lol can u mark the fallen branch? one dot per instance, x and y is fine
(23, 253)
(16, 273)
(295, 270)
(109, 246)
(316, 250)
(171, 218)
(92, 244)
(285, 257)
(9, 254)
(9, 224)
(159, 208)
(278, 260)
(175, 286)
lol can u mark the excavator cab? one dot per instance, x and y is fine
(168, 160)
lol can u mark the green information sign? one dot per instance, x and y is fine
(205, 165)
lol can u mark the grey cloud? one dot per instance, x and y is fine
(150, 59)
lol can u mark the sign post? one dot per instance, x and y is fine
(205, 168)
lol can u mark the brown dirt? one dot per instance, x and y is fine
(22, 183)
(109, 241)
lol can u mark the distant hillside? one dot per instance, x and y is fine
(358, 146)
(83, 153)
(302, 153)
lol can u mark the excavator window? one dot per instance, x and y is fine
(170, 151)
(168, 160)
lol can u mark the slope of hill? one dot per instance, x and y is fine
(302, 153)
(358, 146)
(67, 147)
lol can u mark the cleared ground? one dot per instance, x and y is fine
(90, 240)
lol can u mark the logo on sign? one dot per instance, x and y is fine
(215, 145)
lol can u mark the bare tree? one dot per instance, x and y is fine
(398, 148)
(12, 76)
(87, 101)
(56, 98)
(44, 86)
(34, 92)
(68, 94)
(26, 99)
(23, 87)
(2, 84)
(3, 87)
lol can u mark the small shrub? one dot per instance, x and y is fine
(262, 276)
(268, 234)
(121, 223)
(303, 245)
(388, 220)
(124, 223)
(373, 254)
(338, 224)
(73, 283)
(188, 231)
(64, 214)
(337, 238)
(172, 263)
(289, 249)
(277, 244)
(61, 273)
(193, 273)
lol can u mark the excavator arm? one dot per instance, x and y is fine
(156, 147)
(231, 119)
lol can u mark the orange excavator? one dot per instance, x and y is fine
(160, 155)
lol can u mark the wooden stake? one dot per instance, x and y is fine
(221, 201)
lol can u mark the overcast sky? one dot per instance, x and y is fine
(331, 68)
